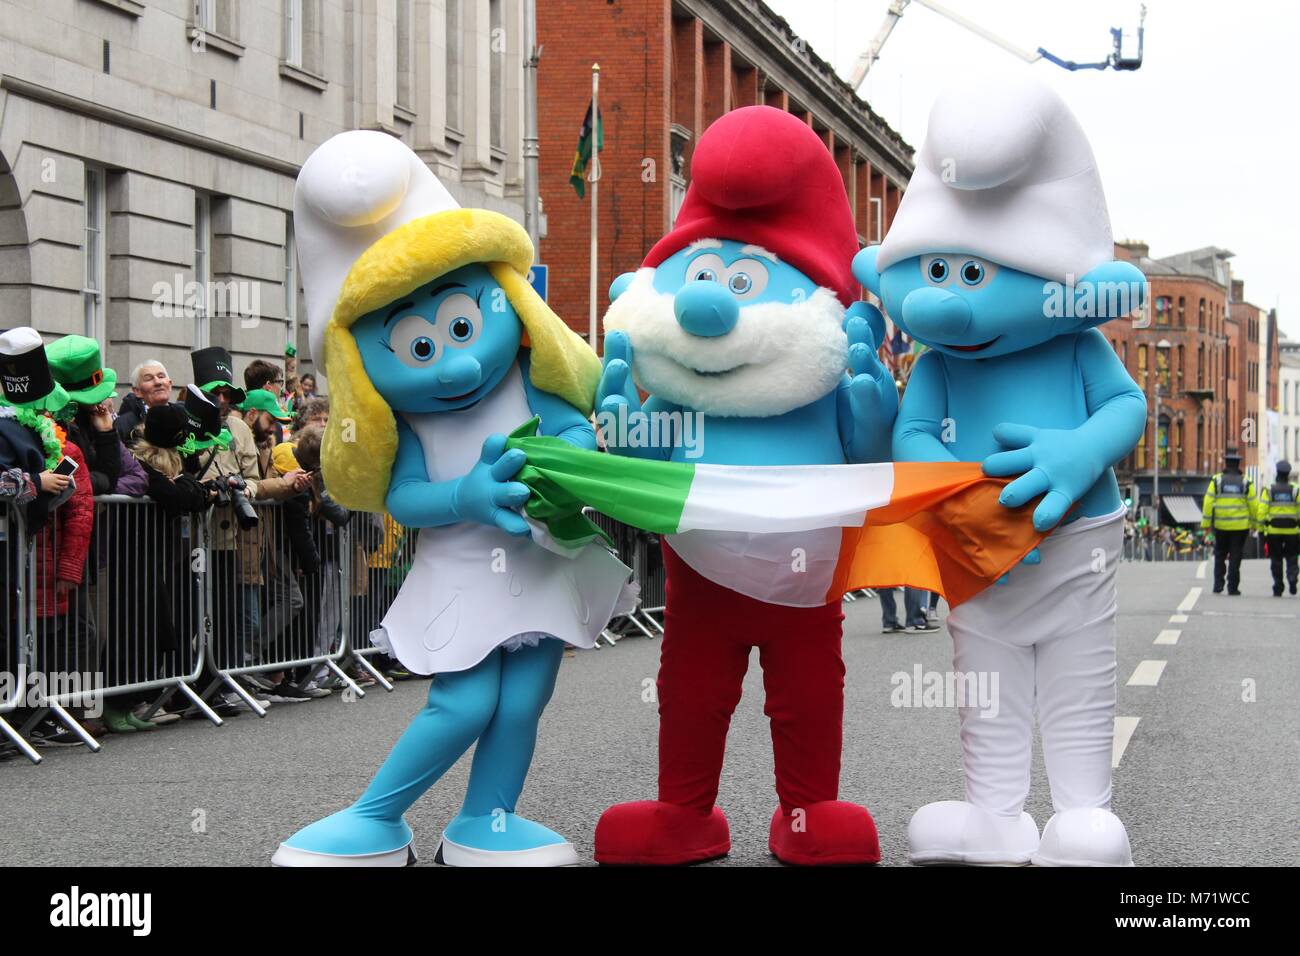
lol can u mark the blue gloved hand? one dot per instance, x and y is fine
(617, 398)
(872, 394)
(1050, 462)
(485, 495)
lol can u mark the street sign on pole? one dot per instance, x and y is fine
(537, 279)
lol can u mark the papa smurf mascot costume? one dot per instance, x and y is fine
(1000, 260)
(739, 314)
(435, 346)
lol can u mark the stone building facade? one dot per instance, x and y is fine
(148, 152)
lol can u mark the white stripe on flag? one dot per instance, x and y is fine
(784, 497)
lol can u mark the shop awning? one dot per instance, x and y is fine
(1182, 508)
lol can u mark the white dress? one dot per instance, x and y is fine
(473, 588)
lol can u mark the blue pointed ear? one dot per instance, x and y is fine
(620, 284)
(1110, 291)
(865, 271)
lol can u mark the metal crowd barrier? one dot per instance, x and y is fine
(277, 597)
(382, 553)
(195, 603)
(639, 550)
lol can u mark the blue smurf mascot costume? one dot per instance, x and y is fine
(1000, 260)
(435, 346)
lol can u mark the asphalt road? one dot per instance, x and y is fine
(1208, 776)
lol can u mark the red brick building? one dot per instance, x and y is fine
(1202, 353)
(668, 68)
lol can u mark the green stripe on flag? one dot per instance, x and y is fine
(645, 494)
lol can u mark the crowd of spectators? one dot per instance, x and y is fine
(117, 589)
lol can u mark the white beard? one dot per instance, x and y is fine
(779, 357)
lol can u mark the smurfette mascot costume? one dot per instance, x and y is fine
(435, 346)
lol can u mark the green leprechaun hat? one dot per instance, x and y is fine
(77, 365)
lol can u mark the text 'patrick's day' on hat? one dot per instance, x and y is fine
(76, 365)
(213, 368)
(1006, 174)
(264, 401)
(761, 176)
(25, 372)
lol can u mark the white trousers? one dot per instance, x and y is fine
(1049, 636)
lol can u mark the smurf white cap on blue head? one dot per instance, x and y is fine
(1006, 173)
(355, 188)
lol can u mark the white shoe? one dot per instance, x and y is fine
(555, 854)
(954, 831)
(1085, 836)
(292, 856)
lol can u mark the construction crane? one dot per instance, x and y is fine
(1116, 61)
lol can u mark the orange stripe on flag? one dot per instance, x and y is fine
(943, 530)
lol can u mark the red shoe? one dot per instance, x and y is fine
(830, 833)
(654, 833)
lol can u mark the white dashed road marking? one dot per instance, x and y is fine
(1200, 570)
(1189, 602)
(1169, 636)
(1124, 727)
(1147, 674)
(1178, 619)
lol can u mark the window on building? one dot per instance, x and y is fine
(1176, 454)
(93, 290)
(290, 280)
(1140, 453)
(1200, 317)
(1162, 442)
(452, 39)
(1200, 440)
(1163, 308)
(1142, 367)
(404, 42)
(1180, 367)
(217, 16)
(202, 269)
(497, 72)
(1200, 365)
(1162, 368)
(1182, 312)
(293, 32)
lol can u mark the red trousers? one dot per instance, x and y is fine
(709, 631)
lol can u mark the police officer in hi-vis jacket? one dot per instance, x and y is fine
(1229, 508)
(1279, 519)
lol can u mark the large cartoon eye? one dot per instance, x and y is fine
(977, 272)
(935, 269)
(746, 278)
(706, 268)
(459, 314)
(415, 341)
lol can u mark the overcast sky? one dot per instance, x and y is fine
(1199, 147)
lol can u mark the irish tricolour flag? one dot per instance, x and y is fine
(935, 525)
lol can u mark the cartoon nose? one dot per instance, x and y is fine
(706, 309)
(931, 313)
(459, 373)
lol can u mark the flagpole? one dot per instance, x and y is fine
(595, 189)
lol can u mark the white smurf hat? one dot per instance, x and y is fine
(1006, 173)
(353, 190)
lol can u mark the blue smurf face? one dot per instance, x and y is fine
(713, 280)
(444, 346)
(970, 307)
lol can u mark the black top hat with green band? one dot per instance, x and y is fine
(25, 372)
(213, 368)
(77, 366)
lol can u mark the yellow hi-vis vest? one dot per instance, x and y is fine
(1229, 503)
(1279, 511)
